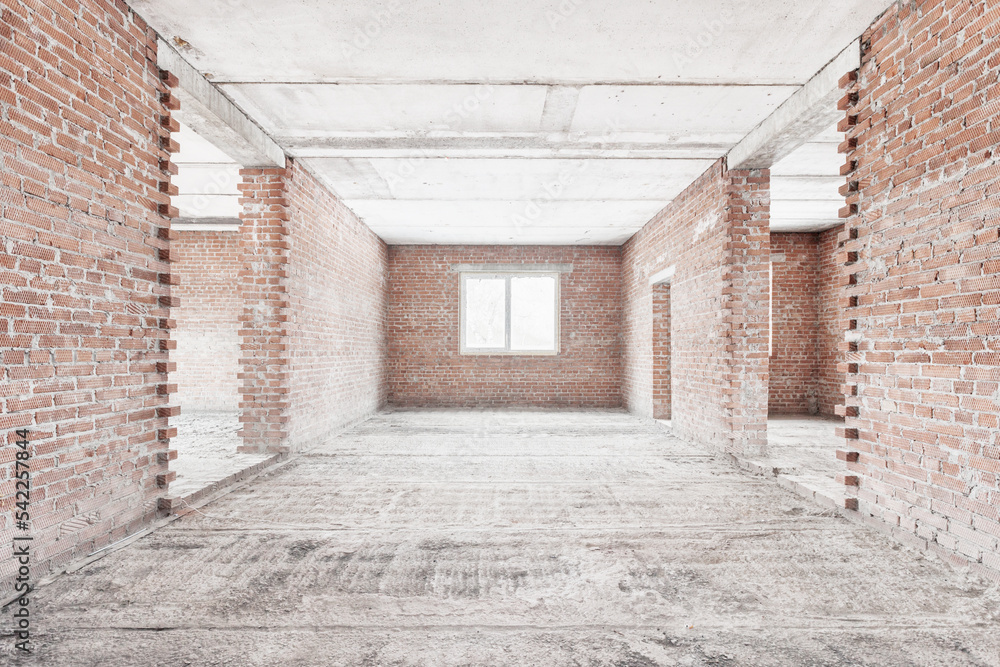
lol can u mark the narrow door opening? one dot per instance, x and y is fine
(662, 393)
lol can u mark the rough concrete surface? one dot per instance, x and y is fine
(206, 445)
(451, 122)
(806, 443)
(514, 538)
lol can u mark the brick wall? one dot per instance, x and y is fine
(82, 309)
(309, 296)
(263, 290)
(426, 368)
(662, 398)
(830, 334)
(795, 324)
(806, 324)
(716, 235)
(337, 293)
(923, 278)
(208, 343)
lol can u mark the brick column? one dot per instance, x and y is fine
(263, 332)
(746, 294)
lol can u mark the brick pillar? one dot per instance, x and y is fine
(661, 352)
(263, 331)
(746, 294)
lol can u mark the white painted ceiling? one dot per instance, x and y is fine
(569, 121)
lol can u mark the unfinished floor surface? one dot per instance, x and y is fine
(207, 444)
(515, 538)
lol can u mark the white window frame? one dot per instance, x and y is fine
(506, 276)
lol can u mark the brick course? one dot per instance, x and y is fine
(426, 368)
(83, 311)
(312, 291)
(90, 278)
(922, 277)
(208, 320)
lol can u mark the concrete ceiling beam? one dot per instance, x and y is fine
(560, 106)
(210, 113)
(808, 112)
(500, 146)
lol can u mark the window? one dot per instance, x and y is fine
(510, 313)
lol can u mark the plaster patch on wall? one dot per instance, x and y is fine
(706, 223)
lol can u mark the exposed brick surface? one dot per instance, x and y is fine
(82, 321)
(924, 286)
(311, 294)
(264, 374)
(716, 235)
(208, 320)
(795, 324)
(337, 291)
(830, 336)
(662, 400)
(807, 328)
(745, 300)
(427, 369)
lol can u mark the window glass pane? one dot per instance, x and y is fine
(533, 313)
(485, 306)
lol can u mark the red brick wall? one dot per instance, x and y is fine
(925, 280)
(426, 369)
(207, 333)
(662, 400)
(337, 293)
(314, 290)
(716, 235)
(830, 334)
(795, 324)
(263, 290)
(82, 303)
(806, 324)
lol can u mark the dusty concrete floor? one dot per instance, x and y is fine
(206, 445)
(804, 449)
(465, 538)
(806, 443)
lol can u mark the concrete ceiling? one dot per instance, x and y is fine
(805, 186)
(518, 122)
(206, 180)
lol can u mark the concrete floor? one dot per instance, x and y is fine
(206, 445)
(803, 455)
(516, 538)
(806, 443)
